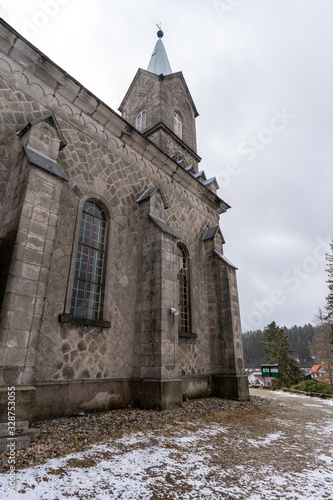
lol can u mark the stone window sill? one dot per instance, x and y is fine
(188, 335)
(67, 318)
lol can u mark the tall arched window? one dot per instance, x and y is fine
(141, 120)
(177, 125)
(87, 290)
(183, 289)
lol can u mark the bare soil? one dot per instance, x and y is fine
(276, 446)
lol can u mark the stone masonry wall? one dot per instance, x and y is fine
(174, 98)
(145, 94)
(109, 162)
(23, 303)
(167, 143)
(237, 329)
(68, 351)
(71, 351)
(14, 107)
(161, 97)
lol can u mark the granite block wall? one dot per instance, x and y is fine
(133, 352)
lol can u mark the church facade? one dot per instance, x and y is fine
(114, 287)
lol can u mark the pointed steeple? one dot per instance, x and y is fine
(159, 104)
(159, 62)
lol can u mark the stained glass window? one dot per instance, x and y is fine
(86, 298)
(183, 287)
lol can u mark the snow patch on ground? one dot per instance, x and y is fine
(265, 441)
(192, 464)
(290, 395)
(314, 399)
(325, 458)
(138, 473)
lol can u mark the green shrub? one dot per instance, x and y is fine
(313, 386)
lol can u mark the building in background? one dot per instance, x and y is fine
(322, 373)
(115, 289)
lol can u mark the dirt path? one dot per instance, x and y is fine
(283, 450)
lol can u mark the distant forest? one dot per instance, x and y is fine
(300, 339)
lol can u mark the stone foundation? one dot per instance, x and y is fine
(231, 387)
(69, 398)
(24, 403)
(157, 394)
(197, 386)
(60, 399)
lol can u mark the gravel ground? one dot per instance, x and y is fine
(278, 446)
(61, 436)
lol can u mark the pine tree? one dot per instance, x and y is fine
(277, 349)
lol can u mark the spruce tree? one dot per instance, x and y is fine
(277, 349)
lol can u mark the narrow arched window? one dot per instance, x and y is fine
(88, 279)
(183, 290)
(177, 125)
(141, 120)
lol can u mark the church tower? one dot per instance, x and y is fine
(158, 103)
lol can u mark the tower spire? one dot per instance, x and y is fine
(159, 62)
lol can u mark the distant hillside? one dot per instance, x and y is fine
(300, 338)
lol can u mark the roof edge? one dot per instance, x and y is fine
(213, 199)
(164, 77)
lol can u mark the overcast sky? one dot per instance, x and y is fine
(260, 73)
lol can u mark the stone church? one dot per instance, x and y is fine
(114, 288)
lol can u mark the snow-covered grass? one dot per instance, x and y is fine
(249, 455)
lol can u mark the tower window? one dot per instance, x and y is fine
(141, 120)
(87, 289)
(183, 287)
(177, 125)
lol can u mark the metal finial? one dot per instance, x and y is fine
(160, 32)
